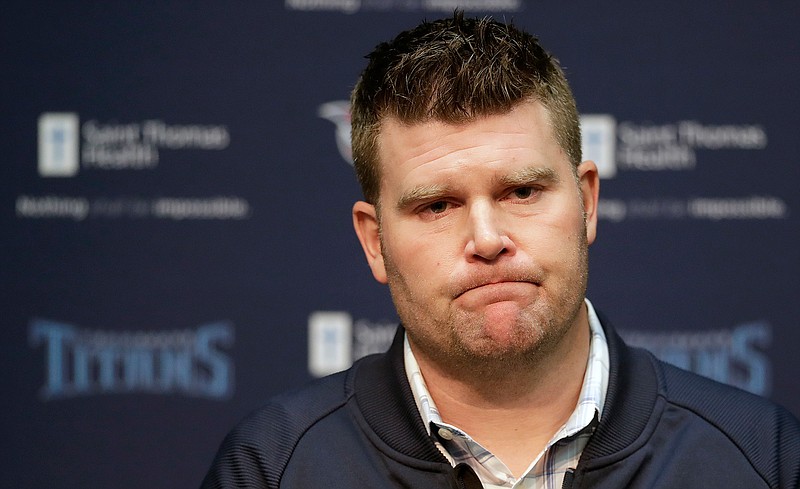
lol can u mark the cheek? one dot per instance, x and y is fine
(423, 246)
(426, 267)
(427, 264)
(567, 219)
(554, 240)
(411, 255)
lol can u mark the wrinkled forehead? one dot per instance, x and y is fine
(529, 116)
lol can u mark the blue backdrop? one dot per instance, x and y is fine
(176, 197)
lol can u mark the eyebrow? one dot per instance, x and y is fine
(525, 176)
(529, 175)
(421, 193)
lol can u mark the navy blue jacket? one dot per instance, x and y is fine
(662, 427)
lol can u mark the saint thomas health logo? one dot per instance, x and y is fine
(58, 144)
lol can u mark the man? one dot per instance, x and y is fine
(478, 214)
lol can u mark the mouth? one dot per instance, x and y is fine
(494, 292)
(497, 286)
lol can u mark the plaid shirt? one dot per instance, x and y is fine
(562, 452)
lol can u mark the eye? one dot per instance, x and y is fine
(437, 207)
(523, 192)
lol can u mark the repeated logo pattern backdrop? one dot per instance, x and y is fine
(176, 197)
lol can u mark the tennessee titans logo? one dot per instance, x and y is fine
(338, 112)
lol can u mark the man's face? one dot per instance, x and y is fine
(482, 236)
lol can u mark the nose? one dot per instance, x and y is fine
(487, 238)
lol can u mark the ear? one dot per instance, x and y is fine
(589, 182)
(365, 221)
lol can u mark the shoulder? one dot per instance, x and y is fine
(336, 411)
(766, 434)
(288, 415)
(637, 373)
(256, 451)
(729, 408)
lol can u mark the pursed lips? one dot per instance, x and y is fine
(497, 286)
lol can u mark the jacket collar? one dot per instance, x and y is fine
(633, 389)
(385, 400)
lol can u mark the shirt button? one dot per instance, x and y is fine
(445, 434)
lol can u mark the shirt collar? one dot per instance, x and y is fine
(590, 402)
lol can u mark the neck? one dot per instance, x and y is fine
(514, 412)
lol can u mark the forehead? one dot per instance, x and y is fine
(521, 136)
